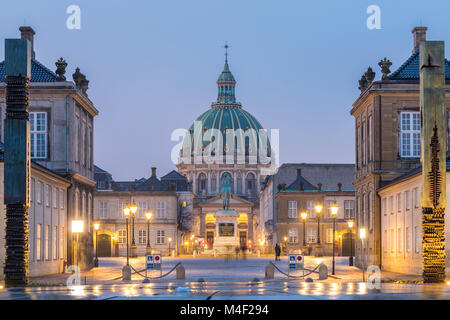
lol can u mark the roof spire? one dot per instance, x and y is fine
(226, 83)
(226, 46)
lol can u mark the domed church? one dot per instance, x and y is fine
(225, 139)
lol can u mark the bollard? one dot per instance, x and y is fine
(181, 274)
(270, 271)
(323, 272)
(126, 273)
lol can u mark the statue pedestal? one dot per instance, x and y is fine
(227, 238)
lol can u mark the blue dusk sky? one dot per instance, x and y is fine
(153, 66)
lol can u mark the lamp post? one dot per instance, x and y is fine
(126, 213)
(148, 216)
(133, 209)
(96, 227)
(77, 228)
(362, 236)
(285, 244)
(318, 208)
(304, 215)
(334, 211)
(350, 258)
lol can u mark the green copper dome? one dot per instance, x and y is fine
(224, 114)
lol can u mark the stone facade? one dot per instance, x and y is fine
(381, 154)
(62, 135)
(167, 198)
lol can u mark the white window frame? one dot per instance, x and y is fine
(160, 236)
(292, 209)
(36, 132)
(142, 235)
(161, 210)
(349, 209)
(38, 242)
(409, 136)
(122, 236)
(103, 209)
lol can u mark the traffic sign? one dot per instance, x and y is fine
(150, 262)
(295, 261)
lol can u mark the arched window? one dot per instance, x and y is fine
(251, 184)
(201, 183)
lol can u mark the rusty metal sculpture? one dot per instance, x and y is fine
(433, 157)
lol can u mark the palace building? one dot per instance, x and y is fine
(225, 139)
(387, 149)
(62, 166)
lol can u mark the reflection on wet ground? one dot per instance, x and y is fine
(284, 290)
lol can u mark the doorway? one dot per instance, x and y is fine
(104, 245)
(243, 238)
(210, 239)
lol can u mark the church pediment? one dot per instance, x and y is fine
(234, 201)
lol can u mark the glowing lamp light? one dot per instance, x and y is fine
(96, 226)
(126, 212)
(133, 209)
(303, 215)
(362, 233)
(334, 210)
(77, 226)
(285, 238)
(318, 208)
(148, 215)
(170, 239)
(186, 243)
(350, 224)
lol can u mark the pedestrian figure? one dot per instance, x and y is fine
(237, 252)
(277, 252)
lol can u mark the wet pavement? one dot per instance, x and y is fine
(224, 279)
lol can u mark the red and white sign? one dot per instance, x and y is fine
(157, 258)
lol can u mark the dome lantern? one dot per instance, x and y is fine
(226, 83)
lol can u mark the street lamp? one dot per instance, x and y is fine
(148, 216)
(77, 228)
(350, 258)
(170, 240)
(126, 213)
(334, 211)
(133, 209)
(304, 215)
(362, 236)
(318, 207)
(96, 227)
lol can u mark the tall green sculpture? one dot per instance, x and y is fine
(433, 151)
(17, 160)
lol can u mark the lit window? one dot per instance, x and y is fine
(410, 134)
(38, 241)
(407, 202)
(329, 235)
(399, 240)
(293, 235)
(122, 236)
(417, 240)
(38, 135)
(46, 242)
(55, 243)
(310, 209)
(311, 235)
(408, 239)
(142, 208)
(399, 202)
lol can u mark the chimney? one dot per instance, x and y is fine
(319, 185)
(339, 186)
(28, 33)
(154, 172)
(299, 172)
(301, 186)
(420, 35)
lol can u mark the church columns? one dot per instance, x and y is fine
(194, 183)
(234, 182)
(244, 186)
(258, 182)
(209, 182)
(202, 223)
(250, 226)
(217, 183)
